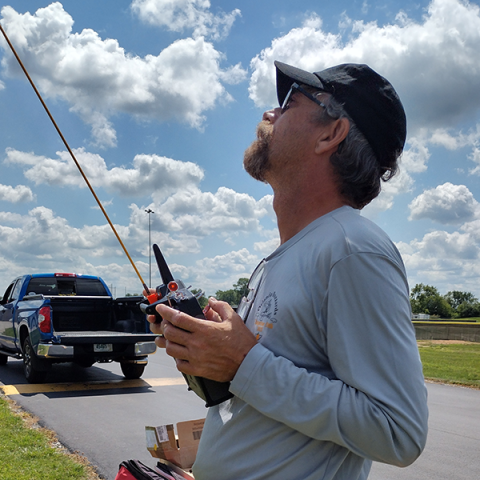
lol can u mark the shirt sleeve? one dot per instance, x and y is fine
(376, 406)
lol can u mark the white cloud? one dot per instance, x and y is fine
(233, 75)
(449, 261)
(438, 90)
(173, 185)
(452, 140)
(413, 160)
(194, 213)
(222, 271)
(446, 139)
(18, 194)
(312, 21)
(269, 246)
(417, 153)
(47, 233)
(181, 15)
(447, 204)
(415, 157)
(97, 78)
(400, 184)
(42, 241)
(52, 244)
(149, 173)
(447, 246)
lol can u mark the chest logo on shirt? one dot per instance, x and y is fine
(265, 315)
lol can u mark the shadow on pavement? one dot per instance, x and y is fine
(69, 380)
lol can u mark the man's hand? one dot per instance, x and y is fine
(213, 348)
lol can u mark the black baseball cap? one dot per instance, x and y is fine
(369, 99)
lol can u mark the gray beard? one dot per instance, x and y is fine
(256, 159)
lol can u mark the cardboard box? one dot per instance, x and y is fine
(180, 450)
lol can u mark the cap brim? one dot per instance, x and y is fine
(286, 75)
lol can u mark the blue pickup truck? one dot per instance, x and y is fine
(64, 317)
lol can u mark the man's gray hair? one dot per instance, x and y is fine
(358, 170)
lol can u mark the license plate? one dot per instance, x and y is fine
(102, 347)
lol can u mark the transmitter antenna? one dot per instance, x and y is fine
(73, 157)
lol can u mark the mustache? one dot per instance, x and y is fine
(264, 131)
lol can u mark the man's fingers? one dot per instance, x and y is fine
(179, 319)
(212, 348)
(160, 342)
(153, 319)
(155, 327)
(222, 309)
(211, 315)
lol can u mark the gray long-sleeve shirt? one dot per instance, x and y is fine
(335, 379)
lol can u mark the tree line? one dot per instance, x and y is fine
(423, 299)
(455, 304)
(234, 295)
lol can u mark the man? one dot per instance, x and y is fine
(325, 370)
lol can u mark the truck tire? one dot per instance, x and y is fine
(3, 359)
(132, 370)
(30, 364)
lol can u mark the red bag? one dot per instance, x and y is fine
(124, 474)
(136, 470)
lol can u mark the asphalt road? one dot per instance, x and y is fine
(96, 412)
(453, 444)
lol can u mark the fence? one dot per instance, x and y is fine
(468, 332)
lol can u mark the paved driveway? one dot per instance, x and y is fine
(453, 445)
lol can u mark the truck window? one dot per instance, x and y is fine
(66, 286)
(16, 291)
(90, 287)
(42, 286)
(7, 294)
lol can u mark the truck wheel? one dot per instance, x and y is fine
(3, 359)
(132, 370)
(32, 374)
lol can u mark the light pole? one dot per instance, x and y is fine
(149, 211)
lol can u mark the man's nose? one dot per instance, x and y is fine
(272, 115)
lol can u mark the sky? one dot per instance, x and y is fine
(158, 100)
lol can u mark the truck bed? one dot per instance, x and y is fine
(96, 315)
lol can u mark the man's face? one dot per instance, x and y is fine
(283, 137)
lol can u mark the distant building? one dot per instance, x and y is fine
(420, 316)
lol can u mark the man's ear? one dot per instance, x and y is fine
(332, 135)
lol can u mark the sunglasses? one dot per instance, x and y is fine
(297, 88)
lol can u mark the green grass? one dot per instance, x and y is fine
(476, 319)
(456, 363)
(27, 454)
